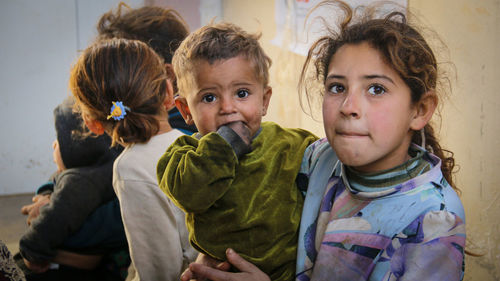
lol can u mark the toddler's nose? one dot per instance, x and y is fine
(227, 105)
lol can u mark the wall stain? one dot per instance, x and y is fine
(487, 239)
(482, 11)
(480, 188)
(32, 163)
(481, 118)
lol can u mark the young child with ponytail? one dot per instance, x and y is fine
(122, 89)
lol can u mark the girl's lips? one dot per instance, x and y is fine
(351, 134)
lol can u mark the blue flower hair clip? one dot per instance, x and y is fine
(118, 111)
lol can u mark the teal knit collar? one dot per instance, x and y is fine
(387, 179)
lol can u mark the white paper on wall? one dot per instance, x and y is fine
(293, 31)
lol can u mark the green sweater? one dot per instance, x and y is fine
(251, 204)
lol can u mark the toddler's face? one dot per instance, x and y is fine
(367, 110)
(226, 91)
(57, 156)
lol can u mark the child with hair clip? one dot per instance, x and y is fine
(122, 89)
(163, 30)
(236, 178)
(381, 203)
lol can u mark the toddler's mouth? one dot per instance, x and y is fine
(231, 122)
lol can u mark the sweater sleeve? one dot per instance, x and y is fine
(152, 226)
(434, 252)
(196, 173)
(70, 204)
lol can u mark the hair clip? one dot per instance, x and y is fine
(118, 111)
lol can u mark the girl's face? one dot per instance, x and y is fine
(367, 110)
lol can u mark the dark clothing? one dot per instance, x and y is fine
(77, 193)
(81, 215)
(68, 273)
(177, 122)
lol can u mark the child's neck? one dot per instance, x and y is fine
(164, 126)
(414, 166)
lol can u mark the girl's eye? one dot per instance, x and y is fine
(208, 98)
(376, 90)
(336, 89)
(242, 94)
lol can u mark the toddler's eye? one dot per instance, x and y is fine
(242, 94)
(208, 98)
(376, 90)
(336, 89)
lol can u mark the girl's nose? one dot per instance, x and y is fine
(350, 107)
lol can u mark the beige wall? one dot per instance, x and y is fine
(470, 126)
(471, 31)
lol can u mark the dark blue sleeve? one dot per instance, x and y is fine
(102, 230)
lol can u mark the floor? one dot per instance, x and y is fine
(12, 222)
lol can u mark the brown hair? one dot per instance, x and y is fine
(121, 70)
(402, 47)
(215, 42)
(162, 29)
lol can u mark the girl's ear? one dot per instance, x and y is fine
(181, 104)
(94, 126)
(268, 92)
(424, 110)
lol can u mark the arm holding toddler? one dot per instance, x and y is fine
(219, 271)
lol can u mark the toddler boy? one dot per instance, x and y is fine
(236, 177)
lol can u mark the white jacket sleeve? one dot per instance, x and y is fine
(155, 230)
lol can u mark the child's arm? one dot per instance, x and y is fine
(245, 270)
(69, 206)
(196, 173)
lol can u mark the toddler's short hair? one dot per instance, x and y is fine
(215, 42)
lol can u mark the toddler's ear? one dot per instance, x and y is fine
(94, 126)
(181, 104)
(268, 92)
(424, 109)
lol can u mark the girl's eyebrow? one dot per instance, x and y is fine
(367, 77)
(334, 76)
(376, 76)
